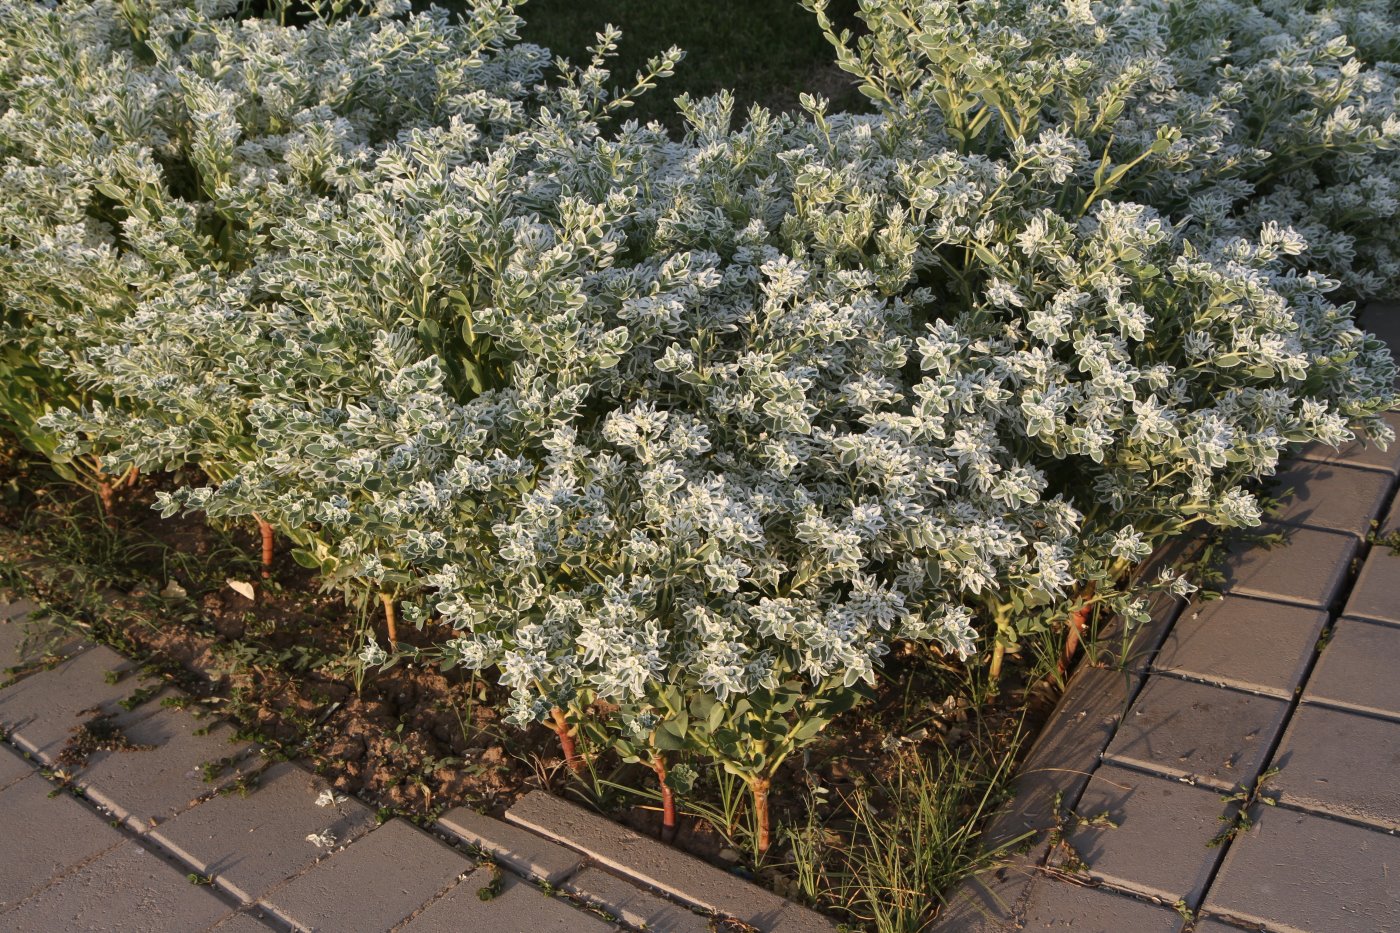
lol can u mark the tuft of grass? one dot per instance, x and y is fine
(896, 846)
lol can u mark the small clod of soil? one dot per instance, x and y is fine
(99, 734)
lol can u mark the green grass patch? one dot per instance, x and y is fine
(765, 51)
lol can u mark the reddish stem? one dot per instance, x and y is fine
(266, 530)
(668, 798)
(759, 786)
(566, 742)
(129, 478)
(1078, 623)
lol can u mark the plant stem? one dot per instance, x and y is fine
(104, 490)
(390, 618)
(266, 530)
(566, 742)
(1078, 621)
(759, 787)
(994, 669)
(668, 798)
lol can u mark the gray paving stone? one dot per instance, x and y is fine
(375, 883)
(1252, 644)
(24, 641)
(149, 786)
(1058, 905)
(1212, 925)
(1329, 496)
(1376, 595)
(240, 922)
(128, 890)
(1300, 873)
(1341, 763)
(1357, 669)
(43, 836)
(40, 711)
(991, 901)
(15, 610)
(1065, 753)
(1307, 569)
(633, 906)
(1159, 843)
(13, 767)
(251, 844)
(662, 867)
(518, 908)
(525, 852)
(1358, 453)
(1197, 732)
(1391, 523)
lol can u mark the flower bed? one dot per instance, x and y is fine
(680, 440)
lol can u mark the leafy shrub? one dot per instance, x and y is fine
(1225, 114)
(680, 436)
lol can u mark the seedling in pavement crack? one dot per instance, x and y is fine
(1246, 798)
(1065, 823)
(492, 888)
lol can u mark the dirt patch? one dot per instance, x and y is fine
(98, 734)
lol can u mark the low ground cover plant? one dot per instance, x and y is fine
(679, 437)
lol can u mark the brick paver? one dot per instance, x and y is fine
(13, 767)
(240, 922)
(1147, 834)
(660, 866)
(1377, 592)
(20, 645)
(1301, 873)
(1210, 735)
(43, 836)
(517, 908)
(1308, 568)
(373, 884)
(14, 611)
(1359, 670)
(127, 890)
(1331, 497)
(1341, 763)
(40, 711)
(1094, 910)
(1250, 644)
(249, 844)
(180, 765)
(525, 852)
(632, 905)
(1391, 523)
(1213, 925)
(1082, 724)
